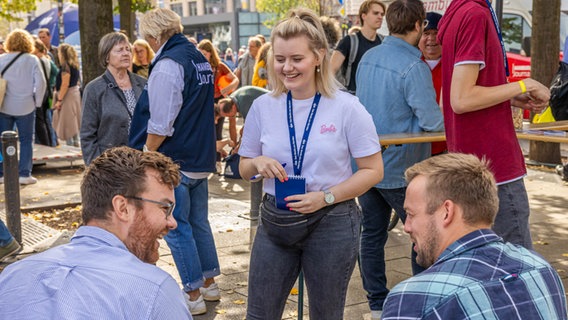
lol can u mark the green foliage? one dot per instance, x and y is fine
(10, 8)
(137, 6)
(279, 8)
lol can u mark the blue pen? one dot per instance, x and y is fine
(258, 176)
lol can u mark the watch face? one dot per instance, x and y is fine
(329, 198)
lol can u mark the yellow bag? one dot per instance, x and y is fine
(545, 116)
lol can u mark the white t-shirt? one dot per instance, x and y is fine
(342, 129)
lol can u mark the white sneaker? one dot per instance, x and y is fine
(376, 314)
(196, 307)
(210, 293)
(28, 180)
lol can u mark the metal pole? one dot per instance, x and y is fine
(12, 184)
(499, 12)
(255, 199)
(61, 25)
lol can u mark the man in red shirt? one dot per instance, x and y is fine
(432, 55)
(477, 107)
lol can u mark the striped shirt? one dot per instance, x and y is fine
(92, 277)
(480, 277)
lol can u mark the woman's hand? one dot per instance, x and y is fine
(270, 168)
(57, 105)
(306, 203)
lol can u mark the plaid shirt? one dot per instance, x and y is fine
(480, 277)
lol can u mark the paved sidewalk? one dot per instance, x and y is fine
(229, 206)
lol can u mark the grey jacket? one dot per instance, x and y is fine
(26, 84)
(106, 119)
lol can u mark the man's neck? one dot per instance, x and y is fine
(368, 33)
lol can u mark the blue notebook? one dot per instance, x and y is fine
(294, 185)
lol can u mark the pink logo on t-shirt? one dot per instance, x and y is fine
(325, 129)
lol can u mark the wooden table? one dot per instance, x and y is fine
(557, 125)
(404, 138)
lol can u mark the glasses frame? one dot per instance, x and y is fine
(425, 23)
(169, 206)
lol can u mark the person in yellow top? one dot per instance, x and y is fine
(260, 74)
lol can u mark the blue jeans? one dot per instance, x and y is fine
(377, 205)
(512, 220)
(26, 127)
(327, 257)
(192, 243)
(5, 236)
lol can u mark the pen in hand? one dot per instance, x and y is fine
(257, 176)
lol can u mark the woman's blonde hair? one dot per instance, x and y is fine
(208, 46)
(304, 22)
(69, 55)
(160, 24)
(149, 52)
(19, 40)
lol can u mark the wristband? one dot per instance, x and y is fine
(523, 86)
(145, 148)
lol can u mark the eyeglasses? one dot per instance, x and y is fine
(425, 23)
(168, 207)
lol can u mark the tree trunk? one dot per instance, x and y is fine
(127, 18)
(544, 63)
(95, 20)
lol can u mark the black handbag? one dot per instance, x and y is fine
(559, 93)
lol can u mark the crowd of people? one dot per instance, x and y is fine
(150, 128)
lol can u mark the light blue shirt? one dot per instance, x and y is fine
(92, 277)
(396, 88)
(165, 94)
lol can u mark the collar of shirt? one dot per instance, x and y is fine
(392, 40)
(88, 233)
(468, 242)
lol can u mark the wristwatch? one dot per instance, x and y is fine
(328, 197)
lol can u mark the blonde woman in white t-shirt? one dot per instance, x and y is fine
(316, 231)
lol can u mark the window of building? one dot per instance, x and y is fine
(177, 8)
(215, 6)
(193, 8)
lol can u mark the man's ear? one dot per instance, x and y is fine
(120, 208)
(450, 212)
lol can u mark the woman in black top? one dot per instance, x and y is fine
(67, 107)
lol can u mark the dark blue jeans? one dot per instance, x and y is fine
(327, 257)
(512, 220)
(26, 127)
(377, 205)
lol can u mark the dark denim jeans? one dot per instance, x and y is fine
(192, 243)
(327, 257)
(512, 220)
(5, 236)
(377, 205)
(26, 127)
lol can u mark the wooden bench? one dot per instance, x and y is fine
(422, 137)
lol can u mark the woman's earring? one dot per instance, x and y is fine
(317, 69)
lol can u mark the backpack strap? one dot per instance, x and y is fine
(10, 63)
(352, 55)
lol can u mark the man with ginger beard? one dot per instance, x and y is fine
(107, 271)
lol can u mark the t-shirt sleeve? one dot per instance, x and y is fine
(470, 44)
(251, 146)
(361, 132)
(344, 46)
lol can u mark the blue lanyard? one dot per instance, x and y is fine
(500, 37)
(298, 155)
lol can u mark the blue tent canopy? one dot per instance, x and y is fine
(50, 21)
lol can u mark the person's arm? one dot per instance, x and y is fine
(420, 95)
(370, 173)
(234, 81)
(337, 59)
(166, 98)
(65, 79)
(233, 129)
(90, 124)
(40, 85)
(467, 96)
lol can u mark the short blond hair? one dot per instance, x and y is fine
(303, 22)
(160, 24)
(19, 40)
(462, 178)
